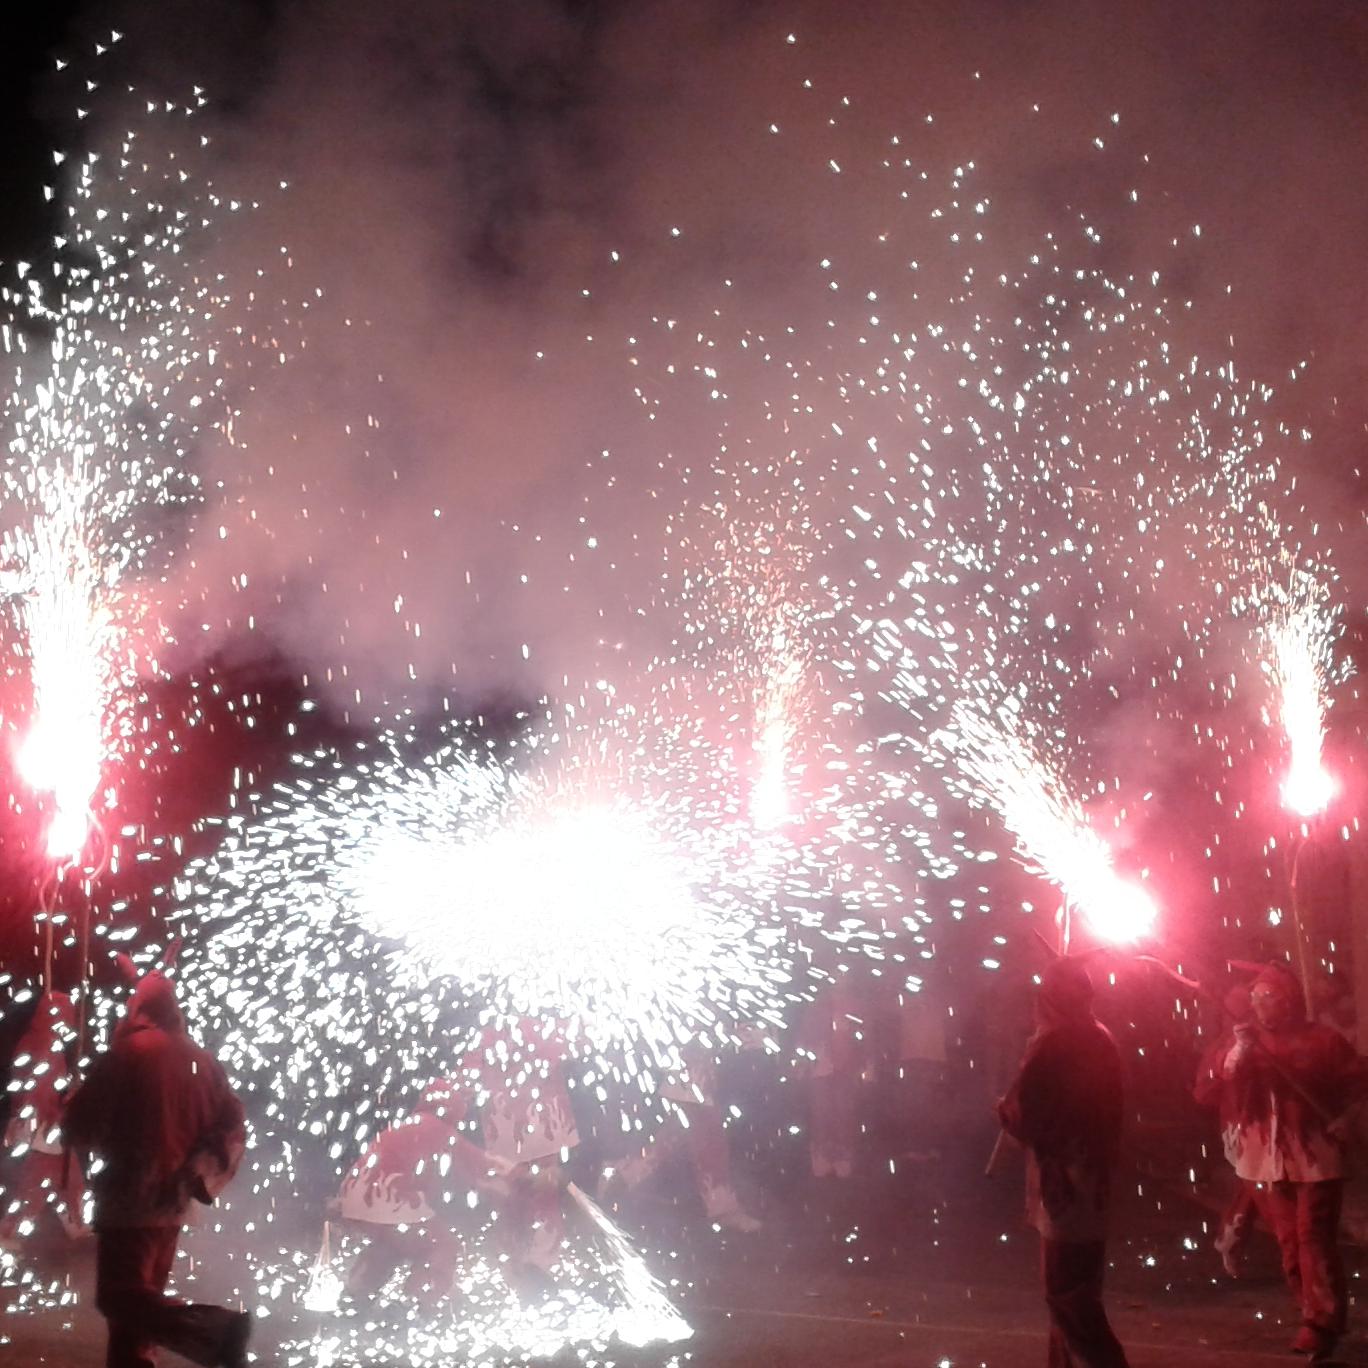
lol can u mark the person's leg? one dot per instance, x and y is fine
(546, 1215)
(1324, 1295)
(845, 1121)
(532, 1221)
(711, 1160)
(1235, 1225)
(819, 1125)
(67, 1198)
(433, 1255)
(125, 1264)
(376, 1263)
(639, 1168)
(1079, 1330)
(1052, 1273)
(1280, 1205)
(132, 1269)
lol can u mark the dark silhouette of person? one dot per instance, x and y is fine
(158, 1113)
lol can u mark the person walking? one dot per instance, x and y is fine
(1065, 1108)
(1294, 1085)
(157, 1110)
(697, 1127)
(1213, 1090)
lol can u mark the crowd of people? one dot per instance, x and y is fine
(487, 1153)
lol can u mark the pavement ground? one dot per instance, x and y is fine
(924, 1273)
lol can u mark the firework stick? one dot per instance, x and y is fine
(47, 952)
(1299, 926)
(1273, 1063)
(85, 977)
(1000, 1147)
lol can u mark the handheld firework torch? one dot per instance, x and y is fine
(1129, 920)
(1300, 643)
(65, 763)
(1009, 767)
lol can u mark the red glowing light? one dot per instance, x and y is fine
(61, 762)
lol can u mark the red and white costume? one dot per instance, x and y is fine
(1291, 1087)
(416, 1191)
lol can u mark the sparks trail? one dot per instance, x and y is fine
(1300, 628)
(1047, 501)
(116, 376)
(1007, 767)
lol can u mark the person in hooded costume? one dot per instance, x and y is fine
(1212, 1090)
(415, 1192)
(1293, 1085)
(157, 1110)
(1065, 1109)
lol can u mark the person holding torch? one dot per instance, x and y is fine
(1065, 1109)
(1294, 1086)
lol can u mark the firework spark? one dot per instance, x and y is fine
(118, 361)
(1300, 635)
(1006, 769)
(374, 902)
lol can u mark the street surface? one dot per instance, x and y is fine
(930, 1269)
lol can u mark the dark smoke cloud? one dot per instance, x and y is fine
(461, 173)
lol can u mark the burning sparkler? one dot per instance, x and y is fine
(1005, 769)
(74, 645)
(114, 355)
(1300, 636)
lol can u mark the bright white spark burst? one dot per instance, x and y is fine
(1007, 768)
(1300, 633)
(579, 890)
(114, 356)
(620, 906)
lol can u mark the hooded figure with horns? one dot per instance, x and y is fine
(1065, 1109)
(1291, 1086)
(158, 1112)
